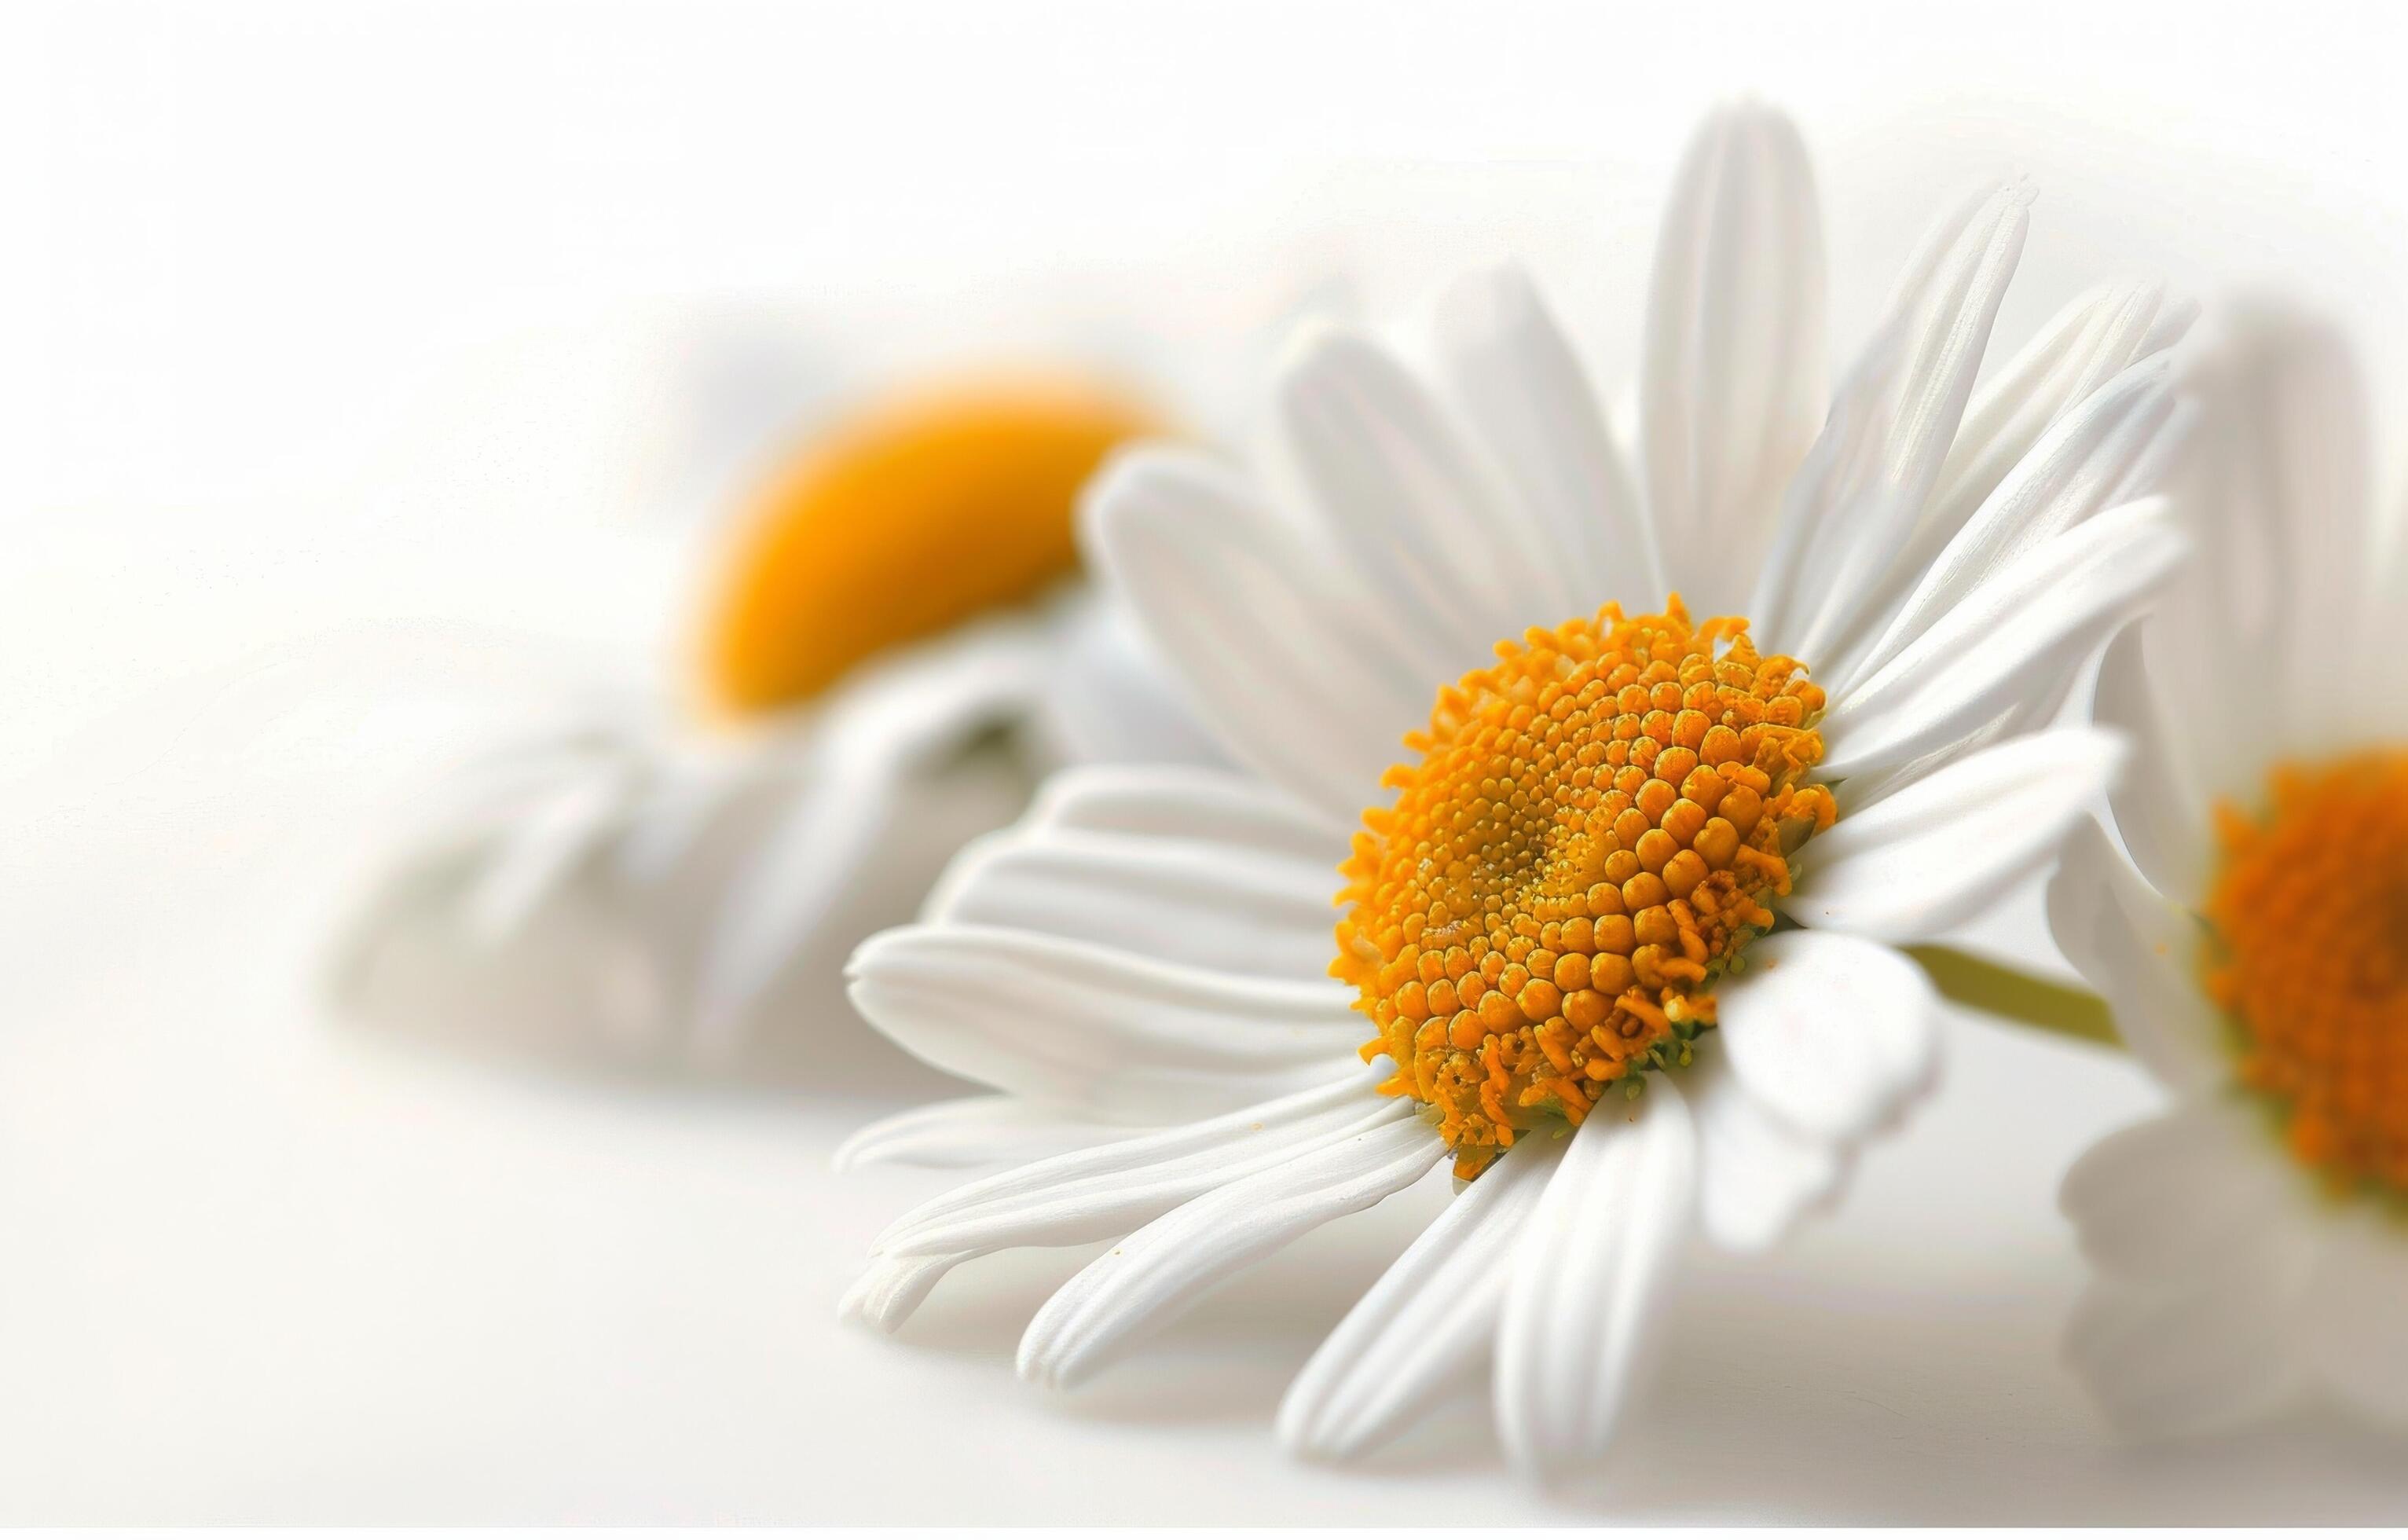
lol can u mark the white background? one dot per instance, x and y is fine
(356, 360)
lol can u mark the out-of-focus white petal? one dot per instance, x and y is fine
(2169, 1199)
(1757, 1174)
(1279, 646)
(2159, 807)
(1097, 1032)
(2139, 949)
(971, 1131)
(2023, 629)
(1831, 1034)
(1932, 855)
(1582, 1309)
(1110, 697)
(1856, 499)
(2354, 1314)
(1517, 383)
(1140, 1284)
(2177, 1361)
(1734, 381)
(1428, 1323)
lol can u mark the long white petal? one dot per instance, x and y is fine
(1097, 1032)
(1283, 650)
(1429, 1321)
(2160, 808)
(891, 1288)
(1140, 1284)
(1582, 1309)
(1831, 1034)
(2139, 949)
(1516, 380)
(1933, 854)
(971, 1131)
(1734, 382)
(1189, 803)
(2023, 630)
(1757, 1173)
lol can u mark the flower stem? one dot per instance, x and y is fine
(2029, 1002)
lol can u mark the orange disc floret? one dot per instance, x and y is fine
(916, 515)
(1592, 831)
(2308, 957)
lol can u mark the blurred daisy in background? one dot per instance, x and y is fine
(2247, 916)
(892, 644)
(1623, 949)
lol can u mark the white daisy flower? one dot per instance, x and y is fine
(2250, 926)
(634, 879)
(1592, 839)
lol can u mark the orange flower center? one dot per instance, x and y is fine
(2308, 957)
(916, 515)
(1590, 837)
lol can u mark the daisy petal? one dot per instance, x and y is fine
(1188, 802)
(891, 1288)
(1734, 382)
(2137, 948)
(2158, 808)
(1519, 386)
(2028, 625)
(1931, 856)
(1862, 488)
(1830, 1034)
(1140, 1284)
(2357, 1338)
(1757, 1174)
(535, 855)
(1233, 598)
(2166, 1200)
(1109, 1189)
(1591, 1268)
(1430, 1320)
(1198, 903)
(971, 1131)
(2177, 1363)
(1094, 1032)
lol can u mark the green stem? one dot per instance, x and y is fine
(2004, 991)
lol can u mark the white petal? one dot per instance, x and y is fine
(901, 716)
(2173, 1363)
(1279, 646)
(972, 1130)
(538, 854)
(2109, 449)
(1100, 1033)
(1856, 499)
(1109, 1189)
(1931, 856)
(891, 1288)
(2159, 809)
(1111, 698)
(1517, 383)
(1397, 491)
(2356, 1315)
(1757, 1174)
(1141, 1283)
(1199, 902)
(2169, 1199)
(1734, 382)
(1582, 1309)
(1188, 802)
(1429, 1322)
(2139, 950)
(1830, 1034)
(2022, 632)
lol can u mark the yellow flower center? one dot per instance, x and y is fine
(1586, 844)
(2308, 955)
(911, 518)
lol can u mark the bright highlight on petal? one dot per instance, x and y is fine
(1584, 848)
(915, 516)
(2308, 955)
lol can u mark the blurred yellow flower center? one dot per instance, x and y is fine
(913, 517)
(2308, 957)
(1586, 844)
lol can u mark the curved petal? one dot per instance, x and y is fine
(1931, 856)
(1189, 803)
(2159, 809)
(971, 1131)
(1830, 1034)
(1595, 1263)
(2139, 950)
(1757, 1174)
(1196, 903)
(1281, 650)
(1517, 383)
(891, 1288)
(1429, 1321)
(1140, 1284)
(2022, 632)
(2167, 1199)
(1734, 382)
(1857, 497)
(1098, 1033)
